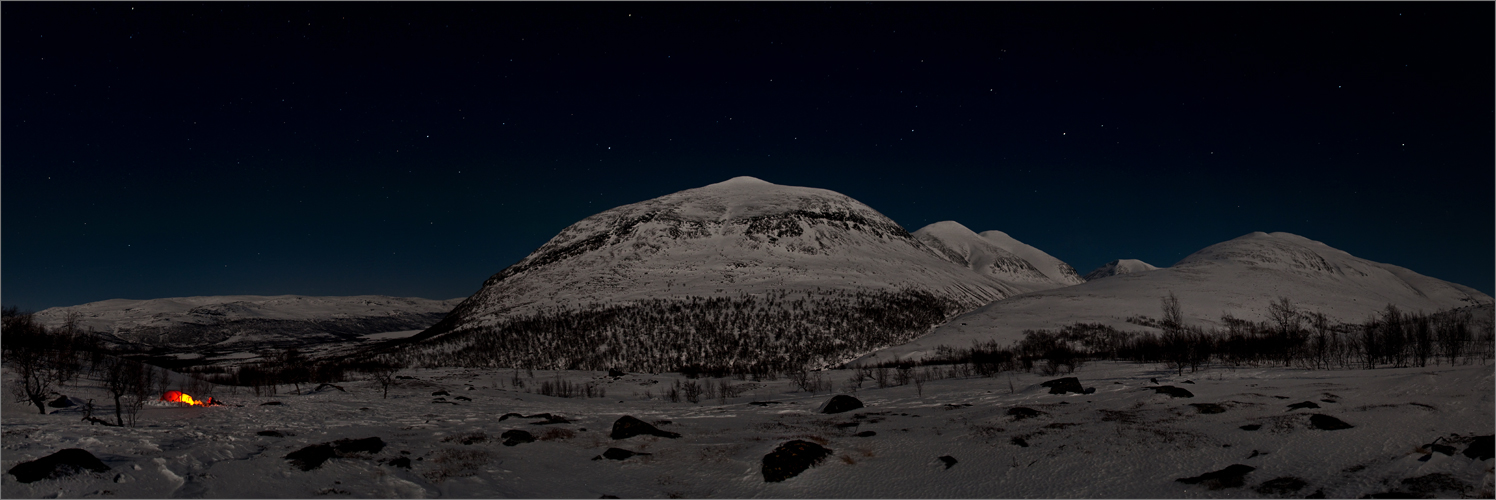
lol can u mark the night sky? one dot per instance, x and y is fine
(414, 149)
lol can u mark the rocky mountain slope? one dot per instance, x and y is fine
(1240, 277)
(738, 272)
(247, 321)
(1119, 266)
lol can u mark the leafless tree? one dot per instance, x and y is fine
(384, 370)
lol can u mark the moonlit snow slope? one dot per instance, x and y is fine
(247, 320)
(1123, 441)
(747, 237)
(1120, 266)
(1238, 277)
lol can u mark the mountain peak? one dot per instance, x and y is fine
(1119, 266)
(742, 180)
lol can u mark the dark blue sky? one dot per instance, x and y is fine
(414, 149)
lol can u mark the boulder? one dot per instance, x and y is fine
(1251, 427)
(313, 456)
(1327, 423)
(60, 402)
(865, 434)
(626, 427)
(1306, 404)
(61, 464)
(400, 462)
(617, 454)
(1208, 408)
(792, 458)
(1281, 485)
(516, 436)
(1176, 392)
(1020, 413)
(1230, 477)
(440, 393)
(1019, 441)
(1064, 385)
(949, 461)
(1480, 448)
(840, 403)
(615, 373)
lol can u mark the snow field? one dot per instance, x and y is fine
(1122, 441)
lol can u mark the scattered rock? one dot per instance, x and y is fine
(271, 433)
(792, 458)
(865, 434)
(615, 373)
(949, 461)
(617, 454)
(515, 437)
(1306, 404)
(1281, 485)
(763, 403)
(1430, 483)
(950, 406)
(1251, 427)
(1327, 423)
(400, 462)
(1232, 476)
(1020, 413)
(1328, 401)
(463, 398)
(440, 393)
(1019, 441)
(272, 403)
(311, 457)
(549, 419)
(1480, 448)
(61, 464)
(1172, 391)
(840, 403)
(60, 402)
(1208, 408)
(1064, 385)
(626, 427)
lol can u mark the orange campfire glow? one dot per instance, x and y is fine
(179, 397)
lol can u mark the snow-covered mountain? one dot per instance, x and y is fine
(1055, 269)
(248, 321)
(1120, 266)
(740, 271)
(1240, 277)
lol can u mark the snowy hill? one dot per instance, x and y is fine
(1239, 277)
(1055, 269)
(741, 271)
(1120, 266)
(248, 321)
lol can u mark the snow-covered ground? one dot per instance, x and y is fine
(1123, 441)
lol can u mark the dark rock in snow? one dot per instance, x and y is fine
(329, 386)
(1480, 448)
(1064, 385)
(60, 402)
(1251, 427)
(840, 403)
(1232, 476)
(606, 497)
(514, 437)
(441, 393)
(792, 458)
(763, 403)
(403, 377)
(1438, 481)
(272, 403)
(271, 433)
(1020, 413)
(401, 462)
(1172, 391)
(507, 415)
(61, 464)
(1447, 450)
(615, 373)
(1019, 441)
(1327, 423)
(311, 457)
(1281, 485)
(463, 398)
(1191, 382)
(626, 427)
(1306, 404)
(1208, 408)
(865, 434)
(1154, 380)
(949, 461)
(617, 454)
